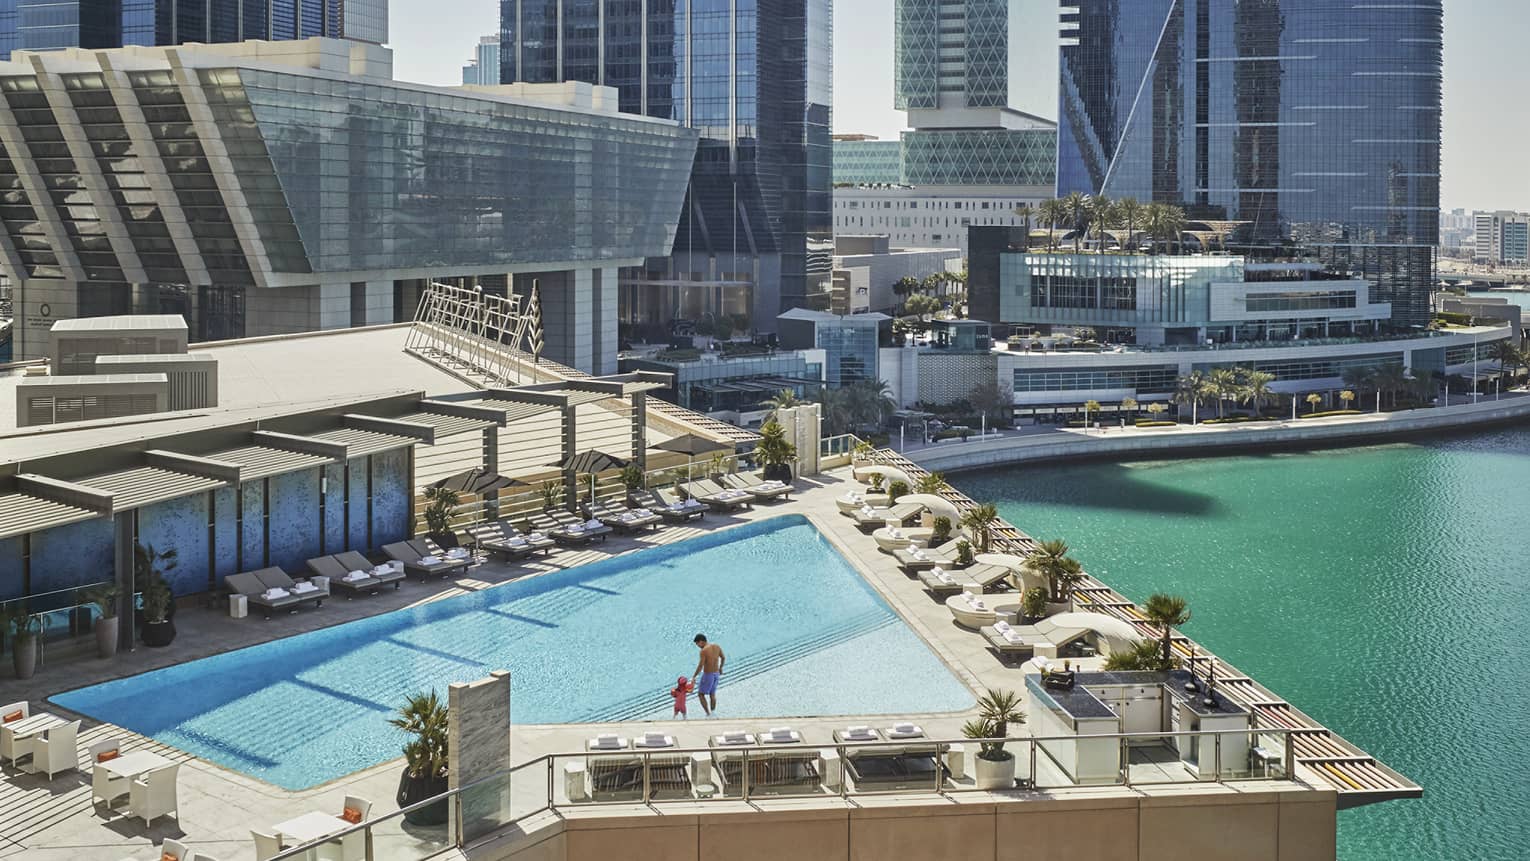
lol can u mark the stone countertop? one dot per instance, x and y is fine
(1079, 703)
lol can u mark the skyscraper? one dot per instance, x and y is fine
(40, 25)
(754, 76)
(483, 69)
(1306, 127)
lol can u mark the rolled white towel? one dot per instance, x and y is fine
(943, 576)
(1014, 636)
(517, 541)
(1001, 626)
(920, 554)
(676, 506)
(735, 737)
(457, 553)
(353, 576)
(274, 594)
(976, 603)
(860, 733)
(905, 728)
(304, 588)
(592, 523)
(781, 734)
(642, 512)
(866, 510)
(537, 536)
(430, 560)
(606, 741)
(655, 739)
(575, 528)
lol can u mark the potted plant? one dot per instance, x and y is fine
(104, 597)
(996, 711)
(964, 555)
(158, 610)
(862, 451)
(876, 482)
(717, 466)
(1051, 561)
(775, 452)
(896, 490)
(552, 495)
(150, 564)
(1034, 603)
(24, 628)
(940, 531)
(425, 718)
(632, 477)
(441, 505)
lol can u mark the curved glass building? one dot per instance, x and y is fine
(1312, 125)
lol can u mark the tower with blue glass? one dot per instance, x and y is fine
(754, 76)
(40, 25)
(1305, 127)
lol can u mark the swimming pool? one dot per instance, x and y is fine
(803, 632)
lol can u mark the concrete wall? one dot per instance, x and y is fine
(948, 457)
(1255, 826)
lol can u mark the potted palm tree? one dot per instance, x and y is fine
(552, 495)
(425, 718)
(441, 504)
(775, 453)
(979, 521)
(940, 531)
(1167, 612)
(1051, 561)
(995, 768)
(158, 613)
(105, 599)
(24, 628)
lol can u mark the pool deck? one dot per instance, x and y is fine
(55, 819)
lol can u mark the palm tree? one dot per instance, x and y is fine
(1102, 216)
(979, 521)
(1167, 612)
(1052, 212)
(1090, 407)
(906, 286)
(1314, 399)
(1346, 396)
(1077, 207)
(1360, 378)
(1255, 390)
(1155, 408)
(931, 283)
(1152, 222)
(783, 400)
(1391, 378)
(1224, 382)
(1051, 560)
(1190, 390)
(1174, 225)
(1130, 405)
(1509, 359)
(1130, 212)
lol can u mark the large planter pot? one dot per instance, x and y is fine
(995, 773)
(106, 637)
(413, 790)
(158, 634)
(778, 472)
(24, 655)
(1055, 607)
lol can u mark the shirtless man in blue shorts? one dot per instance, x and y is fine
(709, 670)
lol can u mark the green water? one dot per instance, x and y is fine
(1384, 590)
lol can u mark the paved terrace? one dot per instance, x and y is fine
(55, 819)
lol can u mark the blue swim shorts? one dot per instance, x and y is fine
(708, 683)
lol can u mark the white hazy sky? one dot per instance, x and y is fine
(1487, 120)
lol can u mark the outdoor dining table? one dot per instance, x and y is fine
(309, 827)
(27, 727)
(131, 765)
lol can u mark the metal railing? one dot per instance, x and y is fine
(750, 773)
(836, 446)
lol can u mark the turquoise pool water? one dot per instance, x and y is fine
(804, 634)
(1384, 590)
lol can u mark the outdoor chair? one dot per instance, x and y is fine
(383, 574)
(260, 589)
(717, 498)
(103, 785)
(343, 579)
(423, 565)
(624, 519)
(762, 491)
(153, 794)
(267, 846)
(55, 752)
(914, 560)
(668, 505)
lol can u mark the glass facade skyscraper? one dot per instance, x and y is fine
(1311, 126)
(754, 77)
(40, 25)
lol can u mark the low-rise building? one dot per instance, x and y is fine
(850, 342)
(867, 269)
(732, 386)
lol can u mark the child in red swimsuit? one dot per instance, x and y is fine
(680, 691)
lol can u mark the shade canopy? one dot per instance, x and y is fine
(1029, 580)
(591, 461)
(692, 445)
(476, 481)
(939, 506)
(1121, 633)
(890, 473)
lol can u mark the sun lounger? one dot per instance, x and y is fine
(984, 576)
(785, 766)
(341, 579)
(271, 589)
(762, 491)
(565, 528)
(668, 505)
(385, 574)
(913, 764)
(669, 774)
(1012, 641)
(624, 519)
(970, 611)
(728, 758)
(914, 560)
(718, 498)
(876, 518)
(573, 523)
(615, 768)
(854, 501)
(425, 564)
(503, 541)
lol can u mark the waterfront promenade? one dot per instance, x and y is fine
(1122, 443)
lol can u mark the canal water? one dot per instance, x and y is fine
(1384, 590)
